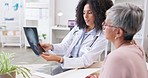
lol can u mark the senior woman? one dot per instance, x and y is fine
(123, 21)
(128, 60)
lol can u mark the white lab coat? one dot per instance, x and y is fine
(87, 55)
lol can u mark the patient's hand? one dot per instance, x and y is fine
(92, 76)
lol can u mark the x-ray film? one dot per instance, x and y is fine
(32, 37)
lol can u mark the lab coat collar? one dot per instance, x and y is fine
(92, 35)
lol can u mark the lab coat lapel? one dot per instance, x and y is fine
(76, 39)
(89, 39)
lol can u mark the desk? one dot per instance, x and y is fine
(76, 73)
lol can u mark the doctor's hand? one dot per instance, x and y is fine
(46, 46)
(52, 57)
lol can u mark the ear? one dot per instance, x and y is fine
(119, 32)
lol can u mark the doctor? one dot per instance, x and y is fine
(80, 47)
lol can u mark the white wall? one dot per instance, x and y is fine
(145, 32)
(138, 2)
(44, 17)
(0, 9)
(45, 24)
(68, 9)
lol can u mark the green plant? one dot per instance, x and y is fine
(44, 36)
(6, 67)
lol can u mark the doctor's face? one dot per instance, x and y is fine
(88, 15)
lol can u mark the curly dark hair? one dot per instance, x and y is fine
(98, 7)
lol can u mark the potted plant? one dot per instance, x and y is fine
(42, 37)
(8, 70)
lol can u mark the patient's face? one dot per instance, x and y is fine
(109, 30)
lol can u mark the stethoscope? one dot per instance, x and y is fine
(93, 39)
(83, 38)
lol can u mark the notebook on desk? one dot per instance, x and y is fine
(33, 40)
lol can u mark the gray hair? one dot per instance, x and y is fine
(127, 16)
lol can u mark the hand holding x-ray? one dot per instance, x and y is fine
(32, 37)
